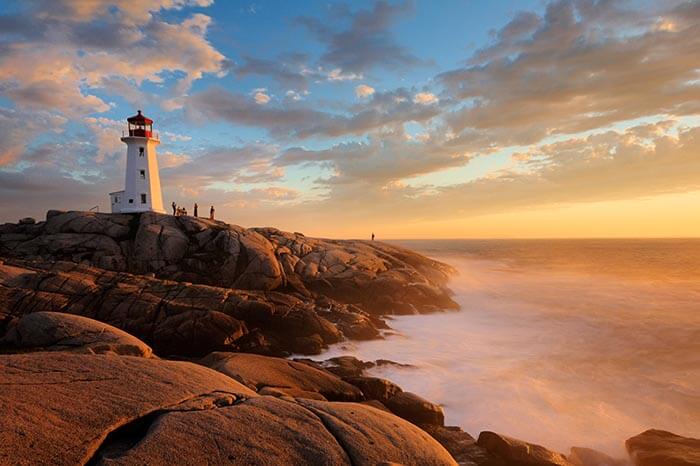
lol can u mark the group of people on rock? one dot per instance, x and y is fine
(179, 210)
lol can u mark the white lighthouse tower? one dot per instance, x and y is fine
(142, 188)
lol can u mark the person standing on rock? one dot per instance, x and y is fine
(211, 213)
(372, 236)
(174, 208)
(195, 209)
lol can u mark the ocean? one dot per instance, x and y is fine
(558, 342)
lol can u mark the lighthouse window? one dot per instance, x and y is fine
(141, 149)
(142, 174)
(131, 201)
(143, 198)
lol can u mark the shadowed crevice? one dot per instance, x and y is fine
(125, 437)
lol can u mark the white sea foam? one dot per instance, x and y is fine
(561, 352)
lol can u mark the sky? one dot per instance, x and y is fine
(409, 119)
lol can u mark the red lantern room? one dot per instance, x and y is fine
(140, 126)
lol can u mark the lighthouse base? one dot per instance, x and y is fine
(120, 205)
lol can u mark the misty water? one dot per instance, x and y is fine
(559, 342)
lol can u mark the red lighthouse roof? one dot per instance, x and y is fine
(139, 119)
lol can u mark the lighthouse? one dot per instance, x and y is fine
(142, 186)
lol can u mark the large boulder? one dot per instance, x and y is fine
(377, 278)
(375, 388)
(462, 446)
(174, 318)
(516, 452)
(262, 271)
(115, 226)
(58, 408)
(76, 247)
(372, 436)
(56, 331)
(66, 408)
(158, 244)
(660, 448)
(581, 456)
(415, 409)
(288, 377)
(257, 431)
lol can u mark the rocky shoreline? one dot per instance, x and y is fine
(153, 339)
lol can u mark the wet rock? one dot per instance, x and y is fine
(660, 448)
(519, 453)
(375, 388)
(415, 409)
(264, 371)
(588, 457)
(462, 446)
(55, 331)
(346, 366)
(58, 408)
(372, 436)
(27, 221)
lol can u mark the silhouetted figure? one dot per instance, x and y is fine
(372, 236)
(211, 213)
(174, 208)
(195, 209)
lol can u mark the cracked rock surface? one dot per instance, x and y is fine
(286, 376)
(174, 318)
(67, 408)
(379, 278)
(56, 331)
(58, 408)
(188, 286)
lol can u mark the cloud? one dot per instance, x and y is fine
(384, 159)
(363, 90)
(365, 42)
(260, 96)
(107, 135)
(56, 55)
(287, 70)
(382, 110)
(18, 128)
(338, 74)
(177, 137)
(130, 12)
(425, 98)
(219, 166)
(59, 51)
(641, 162)
(296, 95)
(577, 68)
(555, 88)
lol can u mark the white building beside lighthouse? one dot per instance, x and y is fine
(142, 187)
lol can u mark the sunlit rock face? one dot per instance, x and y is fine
(113, 409)
(189, 286)
(175, 318)
(380, 278)
(657, 447)
(56, 331)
